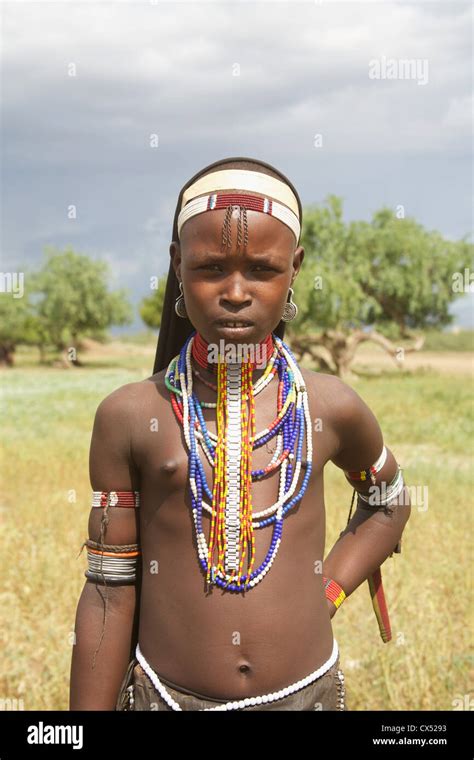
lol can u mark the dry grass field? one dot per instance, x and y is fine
(425, 411)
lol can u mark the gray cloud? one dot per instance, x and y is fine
(168, 69)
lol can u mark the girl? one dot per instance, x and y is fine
(207, 526)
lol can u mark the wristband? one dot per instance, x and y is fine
(334, 592)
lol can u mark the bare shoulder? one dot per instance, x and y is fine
(121, 410)
(343, 410)
(122, 418)
(158, 379)
(121, 399)
(333, 394)
(128, 395)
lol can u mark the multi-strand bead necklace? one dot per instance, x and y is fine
(229, 452)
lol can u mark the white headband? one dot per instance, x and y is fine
(274, 197)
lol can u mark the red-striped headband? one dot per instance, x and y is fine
(241, 187)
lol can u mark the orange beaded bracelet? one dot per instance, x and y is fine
(334, 592)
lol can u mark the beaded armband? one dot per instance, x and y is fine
(377, 497)
(112, 563)
(334, 592)
(129, 499)
(372, 470)
(383, 494)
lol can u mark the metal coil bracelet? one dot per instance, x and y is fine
(112, 563)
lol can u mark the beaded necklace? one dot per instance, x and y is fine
(172, 380)
(229, 452)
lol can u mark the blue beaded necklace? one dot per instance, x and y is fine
(291, 427)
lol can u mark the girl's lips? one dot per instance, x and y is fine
(234, 325)
(233, 330)
(233, 320)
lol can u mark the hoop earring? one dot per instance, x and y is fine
(179, 305)
(291, 310)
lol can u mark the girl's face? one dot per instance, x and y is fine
(249, 285)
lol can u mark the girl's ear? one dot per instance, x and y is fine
(298, 257)
(175, 254)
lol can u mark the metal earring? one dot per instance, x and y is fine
(179, 305)
(291, 310)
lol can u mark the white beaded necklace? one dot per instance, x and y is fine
(302, 399)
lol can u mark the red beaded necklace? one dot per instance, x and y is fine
(200, 346)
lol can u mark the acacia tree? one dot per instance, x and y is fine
(380, 281)
(73, 300)
(17, 325)
(151, 307)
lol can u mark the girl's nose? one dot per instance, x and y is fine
(235, 291)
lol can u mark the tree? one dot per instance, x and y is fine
(17, 324)
(73, 301)
(377, 281)
(151, 307)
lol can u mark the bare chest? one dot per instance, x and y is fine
(164, 458)
(182, 623)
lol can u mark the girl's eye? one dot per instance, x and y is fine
(258, 266)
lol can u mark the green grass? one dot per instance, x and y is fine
(143, 338)
(427, 421)
(448, 341)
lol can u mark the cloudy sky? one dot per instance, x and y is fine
(85, 84)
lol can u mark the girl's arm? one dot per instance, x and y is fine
(374, 531)
(106, 615)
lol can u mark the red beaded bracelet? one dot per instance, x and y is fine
(128, 499)
(334, 592)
